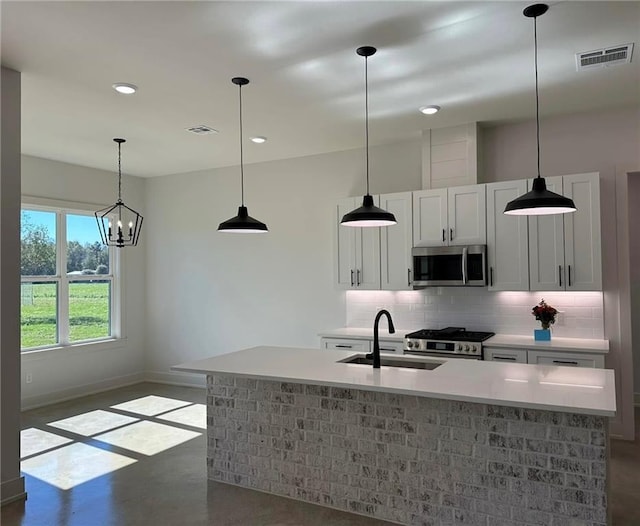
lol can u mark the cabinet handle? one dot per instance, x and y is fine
(387, 349)
(340, 346)
(444, 238)
(352, 277)
(408, 277)
(565, 362)
(491, 276)
(358, 277)
(451, 234)
(507, 358)
(569, 284)
(560, 275)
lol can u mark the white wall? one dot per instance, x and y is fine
(211, 293)
(62, 373)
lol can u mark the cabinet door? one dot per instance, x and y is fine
(430, 227)
(396, 242)
(390, 346)
(367, 275)
(507, 240)
(467, 215)
(345, 246)
(546, 246)
(567, 359)
(345, 344)
(582, 245)
(505, 355)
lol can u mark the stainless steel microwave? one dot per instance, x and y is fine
(463, 266)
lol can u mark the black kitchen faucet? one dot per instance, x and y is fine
(376, 345)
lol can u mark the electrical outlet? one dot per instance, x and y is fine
(29, 378)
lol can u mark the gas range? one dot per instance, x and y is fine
(452, 342)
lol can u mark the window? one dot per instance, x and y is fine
(68, 282)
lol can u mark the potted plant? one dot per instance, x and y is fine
(546, 315)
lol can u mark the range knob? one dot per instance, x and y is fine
(459, 347)
(409, 344)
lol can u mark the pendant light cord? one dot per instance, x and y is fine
(366, 115)
(535, 45)
(241, 152)
(119, 174)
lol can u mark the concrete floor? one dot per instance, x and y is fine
(170, 487)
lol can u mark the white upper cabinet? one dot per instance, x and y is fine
(449, 216)
(396, 242)
(430, 220)
(582, 244)
(357, 249)
(467, 215)
(565, 249)
(507, 246)
(546, 245)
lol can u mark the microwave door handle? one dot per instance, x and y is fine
(464, 265)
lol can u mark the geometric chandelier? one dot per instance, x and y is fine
(121, 235)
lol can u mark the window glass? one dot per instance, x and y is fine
(86, 255)
(38, 243)
(89, 310)
(38, 314)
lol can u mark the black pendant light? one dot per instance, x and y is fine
(126, 231)
(243, 223)
(539, 200)
(368, 214)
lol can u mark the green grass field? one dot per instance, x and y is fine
(88, 313)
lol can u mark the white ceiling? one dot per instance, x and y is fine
(475, 59)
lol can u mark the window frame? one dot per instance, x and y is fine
(62, 208)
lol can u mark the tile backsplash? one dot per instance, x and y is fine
(581, 314)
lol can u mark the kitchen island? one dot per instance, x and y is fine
(468, 442)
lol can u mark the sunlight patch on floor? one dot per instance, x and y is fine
(34, 441)
(195, 415)
(151, 405)
(93, 422)
(73, 464)
(147, 438)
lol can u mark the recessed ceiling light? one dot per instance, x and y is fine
(259, 139)
(430, 110)
(124, 88)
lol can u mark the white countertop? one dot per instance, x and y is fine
(556, 344)
(567, 389)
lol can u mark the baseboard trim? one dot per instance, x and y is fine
(176, 378)
(33, 402)
(12, 491)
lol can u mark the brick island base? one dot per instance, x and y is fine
(408, 459)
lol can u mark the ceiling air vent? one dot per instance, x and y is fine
(201, 129)
(604, 57)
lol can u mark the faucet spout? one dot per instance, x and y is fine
(376, 343)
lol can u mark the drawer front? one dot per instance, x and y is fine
(345, 344)
(505, 355)
(390, 347)
(566, 359)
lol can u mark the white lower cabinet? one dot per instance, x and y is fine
(496, 354)
(357, 345)
(346, 344)
(390, 347)
(567, 359)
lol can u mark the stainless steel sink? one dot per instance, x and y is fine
(389, 361)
